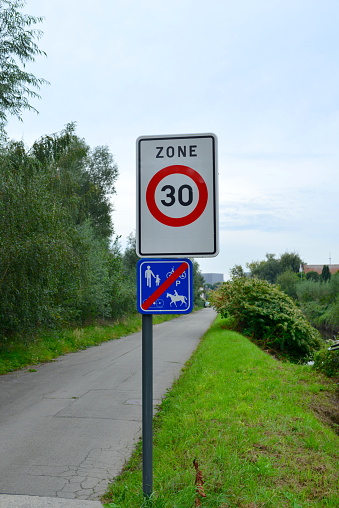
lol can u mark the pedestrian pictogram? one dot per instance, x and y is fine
(164, 286)
(177, 198)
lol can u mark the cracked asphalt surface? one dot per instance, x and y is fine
(68, 428)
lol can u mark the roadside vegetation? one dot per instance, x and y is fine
(262, 432)
(315, 295)
(46, 345)
(268, 316)
(319, 301)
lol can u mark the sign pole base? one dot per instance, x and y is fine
(147, 404)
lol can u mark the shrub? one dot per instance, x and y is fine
(320, 302)
(312, 276)
(268, 316)
(311, 290)
(287, 281)
(327, 362)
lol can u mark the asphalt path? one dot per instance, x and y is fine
(68, 428)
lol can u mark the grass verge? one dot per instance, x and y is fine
(46, 345)
(251, 423)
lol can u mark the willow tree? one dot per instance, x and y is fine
(56, 224)
(18, 46)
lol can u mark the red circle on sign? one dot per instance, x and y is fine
(177, 221)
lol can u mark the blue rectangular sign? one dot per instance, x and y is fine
(165, 286)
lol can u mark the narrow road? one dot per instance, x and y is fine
(67, 429)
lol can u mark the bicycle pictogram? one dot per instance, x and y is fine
(182, 276)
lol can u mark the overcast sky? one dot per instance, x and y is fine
(263, 75)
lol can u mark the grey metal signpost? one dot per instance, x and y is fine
(147, 404)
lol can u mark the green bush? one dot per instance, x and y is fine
(313, 276)
(319, 302)
(287, 281)
(268, 316)
(327, 362)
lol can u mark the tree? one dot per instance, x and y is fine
(268, 269)
(123, 293)
(17, 47)
(130, 259)
(39, 271)
(287, 281)
(272, 267)
(56, 263)
(83, 178)
(325, 274)
(237, 271)
(290, 261)
(198, 284)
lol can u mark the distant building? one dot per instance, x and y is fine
(213, 278)
(319, 268)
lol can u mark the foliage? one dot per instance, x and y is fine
(83, 178)
(313, 276)
(290, 261)
(325, 274)
(317, 295)
(327, 362)
(267, 315)
(271, 268)
(57, 260)
(198, 284)
(38, 267)
(331, 315)
(311, 290)
(130, 260)
(320, 301)
(209, 286)
(96, 281)
(237, 271)
(267, 269)
(287, 281)
(17, 47)
(123, 292)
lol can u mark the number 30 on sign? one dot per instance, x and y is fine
(177, 212)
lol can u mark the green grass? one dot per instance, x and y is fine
(248, 421)
(20, 352)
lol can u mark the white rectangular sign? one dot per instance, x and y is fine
(177, 196)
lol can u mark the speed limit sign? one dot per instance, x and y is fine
(177, 202)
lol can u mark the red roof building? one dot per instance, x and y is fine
(319, 268)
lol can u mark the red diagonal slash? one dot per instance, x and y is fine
(165, 285)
